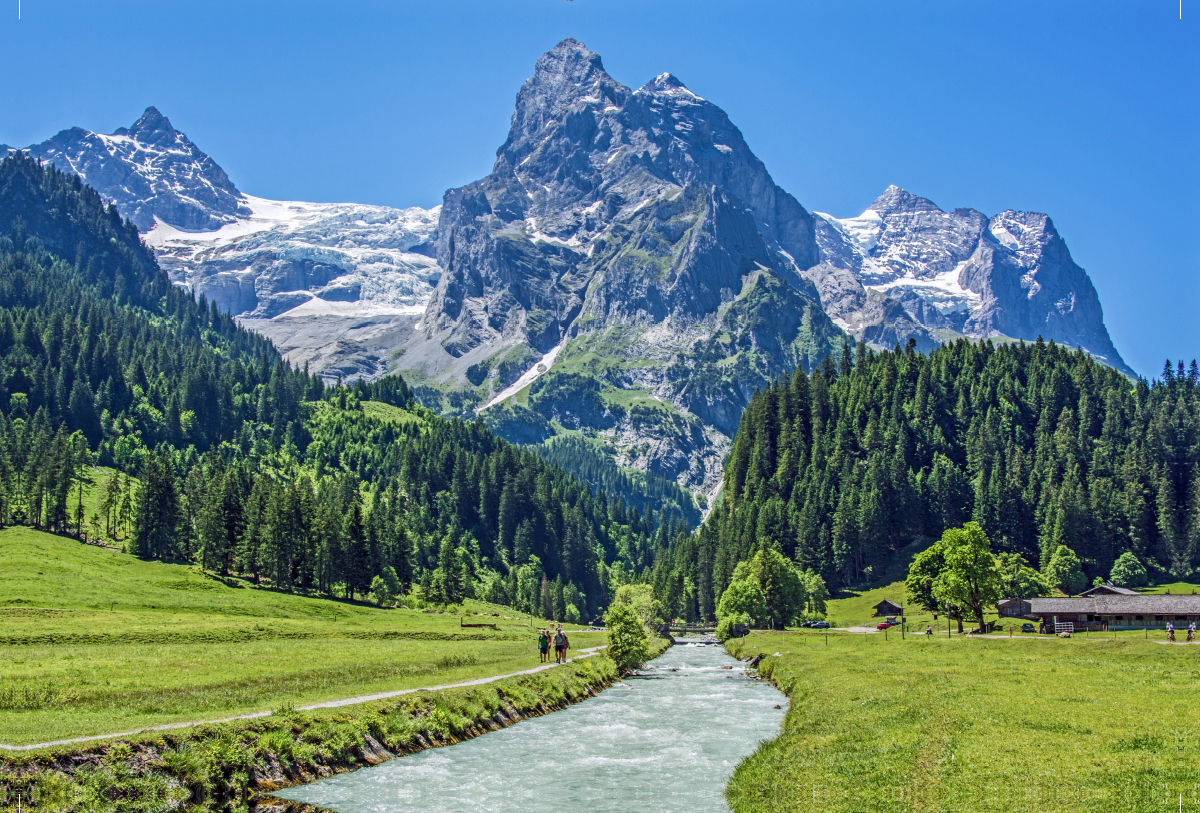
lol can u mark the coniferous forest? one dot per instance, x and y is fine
(1041, 445)
(229, 458)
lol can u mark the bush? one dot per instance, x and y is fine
(628, 642)
(729, 626)
(1128, 571)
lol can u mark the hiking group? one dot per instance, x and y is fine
(559, 640)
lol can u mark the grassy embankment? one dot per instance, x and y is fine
(233, 767)
(978, 724)
(95, 642)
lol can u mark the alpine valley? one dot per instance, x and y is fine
(615, 291)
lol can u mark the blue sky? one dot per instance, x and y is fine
(1089, 111)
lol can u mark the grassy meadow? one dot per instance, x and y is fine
(93, 641)
(975, 724)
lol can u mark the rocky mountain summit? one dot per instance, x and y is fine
(150, 170)
(631, 252)
(957, 272)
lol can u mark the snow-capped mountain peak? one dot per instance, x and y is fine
(151, 171)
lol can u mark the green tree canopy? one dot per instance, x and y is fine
(640, 598)
(971, 576)
(922, 573)
(743, 598)
(1018, 580)
(1065, 571)
(1128, 571)
(628, 641)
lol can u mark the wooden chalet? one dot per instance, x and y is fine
(1126, 610)
(886, 607)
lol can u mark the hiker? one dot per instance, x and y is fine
(560, 646)
(929, 630)
(1191, 631)
(544, 645)
(1170, 632)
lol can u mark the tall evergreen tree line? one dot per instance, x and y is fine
(1041, 445)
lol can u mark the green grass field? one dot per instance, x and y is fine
(93, 641)
(975, 724)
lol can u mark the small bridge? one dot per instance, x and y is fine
(687, 629)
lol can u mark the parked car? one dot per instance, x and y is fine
(808, 623)
(820, 625)
(1027, 628)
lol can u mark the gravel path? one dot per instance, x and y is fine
(329, 704)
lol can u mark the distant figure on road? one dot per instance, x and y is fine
(1191, 631)
(560, 646)
(1170, 631)
(544, 645)
(929, 630)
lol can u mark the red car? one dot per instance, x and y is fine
(882, 625)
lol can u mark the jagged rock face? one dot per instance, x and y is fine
(149, 170)
(1009, 275)
(584, 152)
(633, 233)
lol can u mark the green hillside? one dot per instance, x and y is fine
(95, 642)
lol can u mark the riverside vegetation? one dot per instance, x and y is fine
(228, 767)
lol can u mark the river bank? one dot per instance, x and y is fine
(666, 739)
(234, 766)
(929, 723)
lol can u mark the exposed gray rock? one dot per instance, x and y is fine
(150, 170)
(636, 226)
(1006, 276)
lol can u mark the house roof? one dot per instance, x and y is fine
(1006, 601)
(889, 603)
(1118, 604)
(1108, 589)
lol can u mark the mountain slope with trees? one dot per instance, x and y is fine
(1042, 446)
(246, 465)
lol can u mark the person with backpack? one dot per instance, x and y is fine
(544, 645)
(560, 646)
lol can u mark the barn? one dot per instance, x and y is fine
(1117, 611)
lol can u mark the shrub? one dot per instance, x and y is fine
(1127, 571)
(628, 643)
(727, 626)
